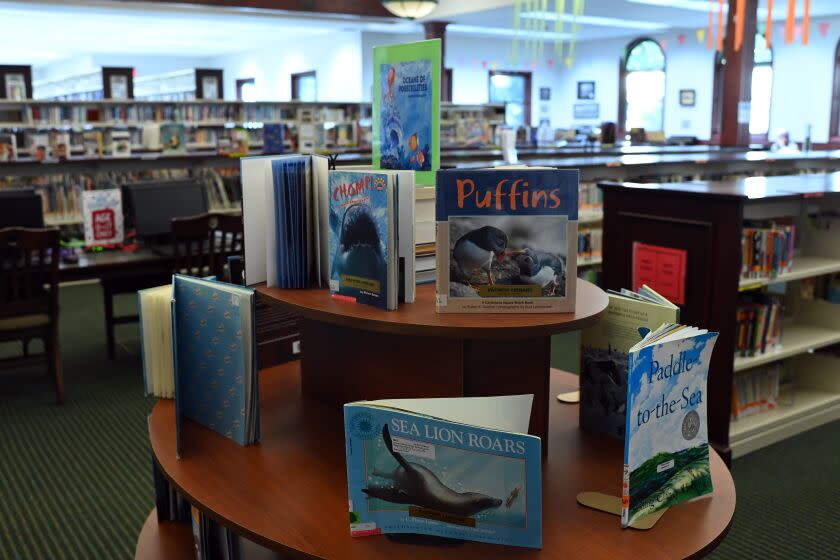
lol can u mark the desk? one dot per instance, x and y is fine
(115, 264)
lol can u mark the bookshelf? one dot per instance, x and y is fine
(706, 219)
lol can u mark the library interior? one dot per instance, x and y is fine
(587, 253)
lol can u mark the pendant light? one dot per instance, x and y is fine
(411, 9)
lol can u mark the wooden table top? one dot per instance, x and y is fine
(110, 263)
(421, 319)
(169, 540)
(289, 492)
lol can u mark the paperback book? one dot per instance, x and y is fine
(173, 138)
(59, 145)
(371, 236)
(506, 240)
(120, 141)
(666, 442)
(103, 217)
(8, 147)
(215, 358)
(406, 108)
(38, 145)
(604, 356)
(462, 468)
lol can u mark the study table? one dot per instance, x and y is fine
(112, 264)
(289, 492)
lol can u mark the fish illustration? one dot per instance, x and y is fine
(412, 142)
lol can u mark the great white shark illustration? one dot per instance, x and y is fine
(417, 485)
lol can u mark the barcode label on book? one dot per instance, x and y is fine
(413, 447)
(334, 285)
(665, 466)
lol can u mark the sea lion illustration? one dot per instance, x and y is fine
(417, 485)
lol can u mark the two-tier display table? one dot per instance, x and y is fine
(357, 352)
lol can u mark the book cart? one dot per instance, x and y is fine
(289, 492)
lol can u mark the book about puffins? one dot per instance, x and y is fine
(506, 240)
(463, 468)
(666, 443)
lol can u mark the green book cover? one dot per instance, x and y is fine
(603, 357)
(406, 108)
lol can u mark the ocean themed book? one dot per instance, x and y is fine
(371, 242)
(173, 138)
(215, 358)
(666, 441)
(463, 468)
(103, 217)
(506, 240)
(603, 356)
(406, 108)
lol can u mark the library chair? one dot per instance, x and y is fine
(29, 296)
(113, 286)
(201, 244)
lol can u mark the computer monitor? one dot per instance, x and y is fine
(152, 205)
(21, 208)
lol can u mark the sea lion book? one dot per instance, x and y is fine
(506, 240)
(603, 356)
(371, 236)
(463, 468)
(666, 442)
(215, 357)
(406, 108)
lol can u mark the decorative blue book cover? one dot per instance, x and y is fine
(506, 240)
(359, 235)
(173, 138)
(666, 445)
(413, 473)
(215, 357)
(273, 138)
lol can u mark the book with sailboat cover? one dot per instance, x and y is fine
(666, 444)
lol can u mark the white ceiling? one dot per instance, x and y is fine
(39, 31)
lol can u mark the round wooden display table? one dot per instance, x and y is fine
(353, 352)
(164, 540)
(289, 492)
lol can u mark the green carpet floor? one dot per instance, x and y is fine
(75, 480)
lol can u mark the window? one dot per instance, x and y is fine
(642, 87)
(834, 132)
(246, 89)
(304, 86)
(761, 88)
(514, 90)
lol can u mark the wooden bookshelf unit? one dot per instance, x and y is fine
(706, 219)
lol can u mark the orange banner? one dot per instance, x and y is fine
(768, 27)
(790, 22)
(711, 33)
(740, 12)
(806, 22)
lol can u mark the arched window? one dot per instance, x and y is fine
(641, 101)
(834, 132)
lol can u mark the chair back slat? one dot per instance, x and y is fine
(203, 243)
(28, 271)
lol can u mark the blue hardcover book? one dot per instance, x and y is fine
(273, 138)
(214, 346)
(462, 468)
(362, 237)
(506, 240)
(666, 441)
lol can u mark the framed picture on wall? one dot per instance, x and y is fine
(545, 94)
(210, 85)
(15, 87)
(586, 90)
(587, 110)
(687, 97)
(119, 86)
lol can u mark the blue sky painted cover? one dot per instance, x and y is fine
(665, 434)
(460, 467)
(406, 115)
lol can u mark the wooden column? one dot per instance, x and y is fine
(437, 30)
(737, 75)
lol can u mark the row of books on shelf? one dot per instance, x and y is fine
(590, 242)
(756, 390)
(759, 324)
(825, 287)
(767, 248)
(591, 197)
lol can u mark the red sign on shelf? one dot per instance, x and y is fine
(661, 268)
(104, 224)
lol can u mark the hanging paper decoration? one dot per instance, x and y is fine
(559, 12)
(823, 27)
(543, 26)
(664, 44)
(768, 25)
(514, 53)
(740, 13)
(577, 10)
(550, 62)
(701, 37)
(790, 22)
(484, 64)
(711, 24)
(681, 39)
(806, 23)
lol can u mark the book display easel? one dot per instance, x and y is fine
(708, 221)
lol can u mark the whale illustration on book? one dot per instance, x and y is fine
(417, 485)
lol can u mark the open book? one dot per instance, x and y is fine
(463, 468)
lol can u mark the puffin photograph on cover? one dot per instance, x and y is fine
(512, 250)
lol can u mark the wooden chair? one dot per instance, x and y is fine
(203, 243)
(29, 296)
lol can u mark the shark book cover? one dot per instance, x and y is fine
(406, 108)
(666, 442)
(412, 470)
(506, 240)
(215, 357)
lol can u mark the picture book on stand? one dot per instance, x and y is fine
(215, 358)
(666, 442)
(371, 236)
(463, 468)
(103, 217)
(406, 108)
(603, 355)
(506, 240)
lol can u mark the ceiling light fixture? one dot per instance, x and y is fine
(411, 9)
